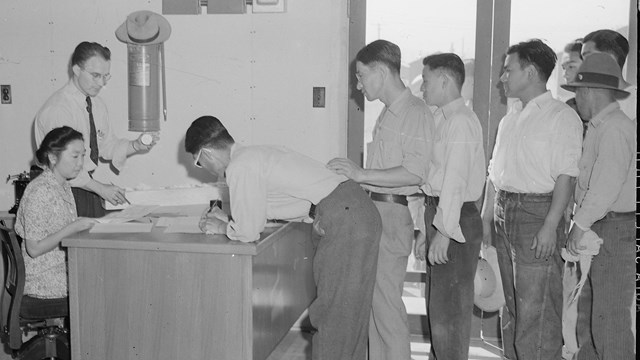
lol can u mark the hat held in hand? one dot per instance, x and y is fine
(598, 70)
(144, 28)
(487, 284)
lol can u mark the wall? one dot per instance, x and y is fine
(253, 71)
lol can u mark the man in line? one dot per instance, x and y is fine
(397, 165)
(531, 172)
(455, 182)
(571, 60)
(78, 106)
(269, 182)
(613, 43)
(605, 199)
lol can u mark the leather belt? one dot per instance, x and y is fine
(533, 197)
(390, 198)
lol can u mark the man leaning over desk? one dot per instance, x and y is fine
(273, 182)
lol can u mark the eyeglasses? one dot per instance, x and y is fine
(97, 76)
(196, 162)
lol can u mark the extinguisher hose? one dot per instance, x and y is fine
(164, 87)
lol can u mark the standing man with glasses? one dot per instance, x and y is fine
(77, 105)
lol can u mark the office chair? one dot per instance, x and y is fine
(22, 314)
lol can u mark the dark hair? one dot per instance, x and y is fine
(207, 131)
(611, 42)
(537, 53)
(574, 46)
(55, 142)
(449, 62)
(382, 51)
(86, 50)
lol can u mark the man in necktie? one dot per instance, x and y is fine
(77, 105)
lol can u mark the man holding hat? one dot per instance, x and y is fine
(531, 176)
(605, 199)
(77, 105)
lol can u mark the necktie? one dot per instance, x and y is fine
(93, 139)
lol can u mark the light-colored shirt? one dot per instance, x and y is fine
(45, 208)
(628, 104)
(402, 137)
(535, 145)
(457, 172)
(607, 168)
(68, 106)
(273, 182)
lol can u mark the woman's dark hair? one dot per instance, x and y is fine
(55, 142)
(86, 50)
(207, 131)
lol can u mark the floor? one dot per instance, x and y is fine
(297, 346)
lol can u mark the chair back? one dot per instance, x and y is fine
(13, 287)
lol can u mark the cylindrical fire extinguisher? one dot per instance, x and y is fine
(145, 32)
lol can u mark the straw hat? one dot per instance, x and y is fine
(488, 293)
(598, 70)
(144, 28)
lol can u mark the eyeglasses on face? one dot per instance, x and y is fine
(97, 76)
(196, 161)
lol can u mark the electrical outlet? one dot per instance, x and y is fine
(5, 94)
(318, 97)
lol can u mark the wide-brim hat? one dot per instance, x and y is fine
(601, 71)
(488, 294)
(144, 28)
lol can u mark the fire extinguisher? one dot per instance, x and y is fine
(145, 32)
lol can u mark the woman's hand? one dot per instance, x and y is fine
(81, 224)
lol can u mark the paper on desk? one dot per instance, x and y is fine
(183, 224)
(132, 227)
(133, 212)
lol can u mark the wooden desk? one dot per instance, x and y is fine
(186, 296)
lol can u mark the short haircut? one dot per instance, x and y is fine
(537, 53)
(611, 42)
(381, 51)
(574, 46)
(207, 131)
(448, 62)
(55, 142)
(86, 50)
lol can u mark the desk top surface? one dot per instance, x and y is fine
(158, 240)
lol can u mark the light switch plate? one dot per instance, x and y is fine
(319, 97)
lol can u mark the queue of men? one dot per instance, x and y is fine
(361, 216)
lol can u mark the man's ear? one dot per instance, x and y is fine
(532, 72)
(384, 70)
(76, 70)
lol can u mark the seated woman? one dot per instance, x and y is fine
(47, 214)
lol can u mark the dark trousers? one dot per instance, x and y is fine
(88, 204)
(607, 298)
(450, 295)
(532, 318)
(344, 269)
